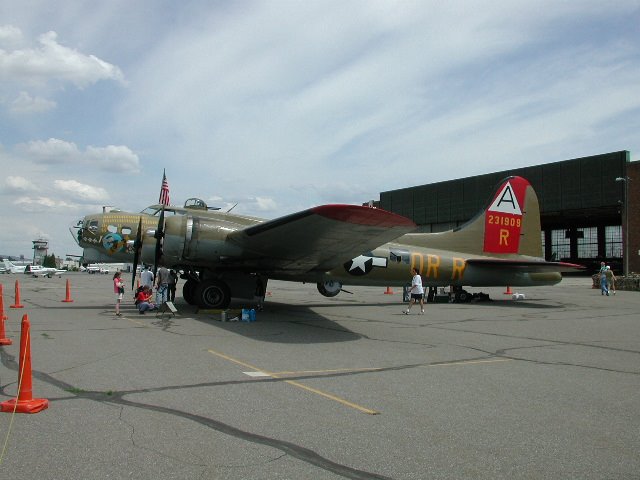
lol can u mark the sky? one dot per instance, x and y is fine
(281, 105)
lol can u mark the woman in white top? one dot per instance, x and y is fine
(417, 292)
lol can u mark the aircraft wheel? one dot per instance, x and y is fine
(189, 291)
(463, 296)
(330, 288)
(213, 294)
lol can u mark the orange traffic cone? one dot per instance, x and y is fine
(16, 302)
(3, 316)
(388, 291)
(68, 299)
(24, 403)
(508, 292)
(3, 338)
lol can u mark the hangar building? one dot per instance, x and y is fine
(588, 207)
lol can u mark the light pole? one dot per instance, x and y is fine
(625, 185)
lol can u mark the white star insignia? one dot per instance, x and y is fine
(359, 262)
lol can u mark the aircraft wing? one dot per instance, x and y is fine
(46, 272)
(319, 238)
(528, 266)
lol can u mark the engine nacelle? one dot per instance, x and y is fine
(190, 240)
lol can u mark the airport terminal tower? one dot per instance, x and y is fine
(40, 248)
(587, 207)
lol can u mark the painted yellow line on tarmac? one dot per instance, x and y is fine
(471, 362)
(238, 362)
(334, 398)
(298, 384)
(336, 370)
(134, 321)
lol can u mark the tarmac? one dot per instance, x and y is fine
(546, 387)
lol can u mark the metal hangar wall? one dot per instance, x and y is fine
(582, 207)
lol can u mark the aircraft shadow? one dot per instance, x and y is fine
(277, 323)
(288, 323)
(538, 303)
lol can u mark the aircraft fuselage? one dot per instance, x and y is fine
(223, 255)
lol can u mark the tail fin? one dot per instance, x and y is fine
(508, 226)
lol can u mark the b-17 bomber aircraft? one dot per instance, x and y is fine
(223, 255)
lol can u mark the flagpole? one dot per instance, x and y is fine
(164, 190)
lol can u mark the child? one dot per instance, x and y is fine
(118, 289)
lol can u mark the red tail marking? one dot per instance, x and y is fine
(503, 219)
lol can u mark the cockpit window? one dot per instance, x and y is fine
(126, 230)
(93, 226)
(150, 210)
(112, 229)
(155, 211)
(195, 203)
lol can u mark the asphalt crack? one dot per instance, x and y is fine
(118, 398)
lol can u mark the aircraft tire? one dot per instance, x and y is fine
(213, 294)
(463, 296)
(329, 288)
(189, 291)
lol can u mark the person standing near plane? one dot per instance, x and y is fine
(173, 282)
(162, 285)
(118, 289)
(146, 277)
(416, 291)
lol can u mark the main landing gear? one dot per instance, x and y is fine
(216, 292)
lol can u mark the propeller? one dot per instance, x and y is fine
(159, 235)
(137, 248)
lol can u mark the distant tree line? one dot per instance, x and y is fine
(49, 261)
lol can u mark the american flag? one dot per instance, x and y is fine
(164, 190)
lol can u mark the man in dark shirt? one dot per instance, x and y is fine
(162, 285)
